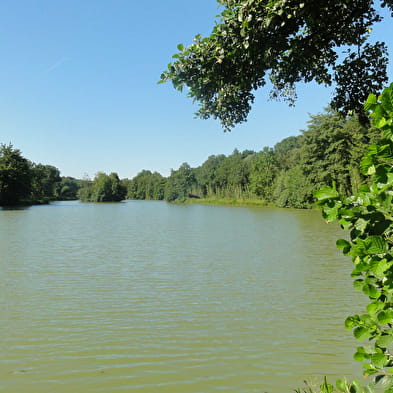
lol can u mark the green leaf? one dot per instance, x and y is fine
(369, 389)
(381, 174)
(386, 382)
(330, 214)
(341, 385)
(358, 284)
(350, 322)
(356, 387)
(326, 193)
(371, 291)
(343, 244)
(180, 47)
(361, 224)
(369, 369)
(364, 188)
(379, 359)
(326, 387)
(360, 356)
(370, 102)
(375, 245)
(385, 317)
(385, 341)
(374, 307)
(371, 170)
(379, 267)
(361, 333)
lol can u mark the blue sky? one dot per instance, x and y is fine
(78, 87)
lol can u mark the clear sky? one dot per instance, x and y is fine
(78, 87)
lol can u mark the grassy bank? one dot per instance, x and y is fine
(227, 202)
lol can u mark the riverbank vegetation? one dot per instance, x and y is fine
(368, 216)
(287, 175)
(228, 202)
(104, 188)
(23, 182)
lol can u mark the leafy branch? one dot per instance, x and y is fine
(368, 216)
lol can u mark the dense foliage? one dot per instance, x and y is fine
(15, 176)
(68, 188)
(286, 42)
(368, 215)
(146, 185)
(104, 188)
(286, 175)
(24, 182)
(329, 150)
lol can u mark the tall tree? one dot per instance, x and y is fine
(328, 150)
(146, 185)
(104, 188)
(68, 188)
(286, 42)
(264, 167)
(207, 176)
(180, 183)
(233, 175)
(45, 179)
(15, 176)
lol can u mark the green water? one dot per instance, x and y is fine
(152, 297)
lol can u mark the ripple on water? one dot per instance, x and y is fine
(151, 297)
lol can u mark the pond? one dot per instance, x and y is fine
(153, 297)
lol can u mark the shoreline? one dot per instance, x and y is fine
(236, 202)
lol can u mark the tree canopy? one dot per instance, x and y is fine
(24, 182)
(328, 150)
(104, 188)
(15, 176)
(286, 42)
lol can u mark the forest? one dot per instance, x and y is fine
(23, 182)
(287, 175)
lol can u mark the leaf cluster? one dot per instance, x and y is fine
(342, 385)
(284, 42)
(368, 217)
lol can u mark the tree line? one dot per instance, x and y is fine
(25, 182)
(287, 175)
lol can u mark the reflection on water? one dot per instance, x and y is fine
(152, 297)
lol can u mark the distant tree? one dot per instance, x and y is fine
(232, 175)
(264, 168)
(15, 176)
(45, 179)
(146, 185)
(292, 189)
(287, 151)
(104, 188)
(68, 188)
(207, 176)
(85, 192)
(180, 183)
(327, 154)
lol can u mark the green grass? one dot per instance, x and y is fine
(228, 202)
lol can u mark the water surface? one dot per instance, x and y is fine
(159, 298)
